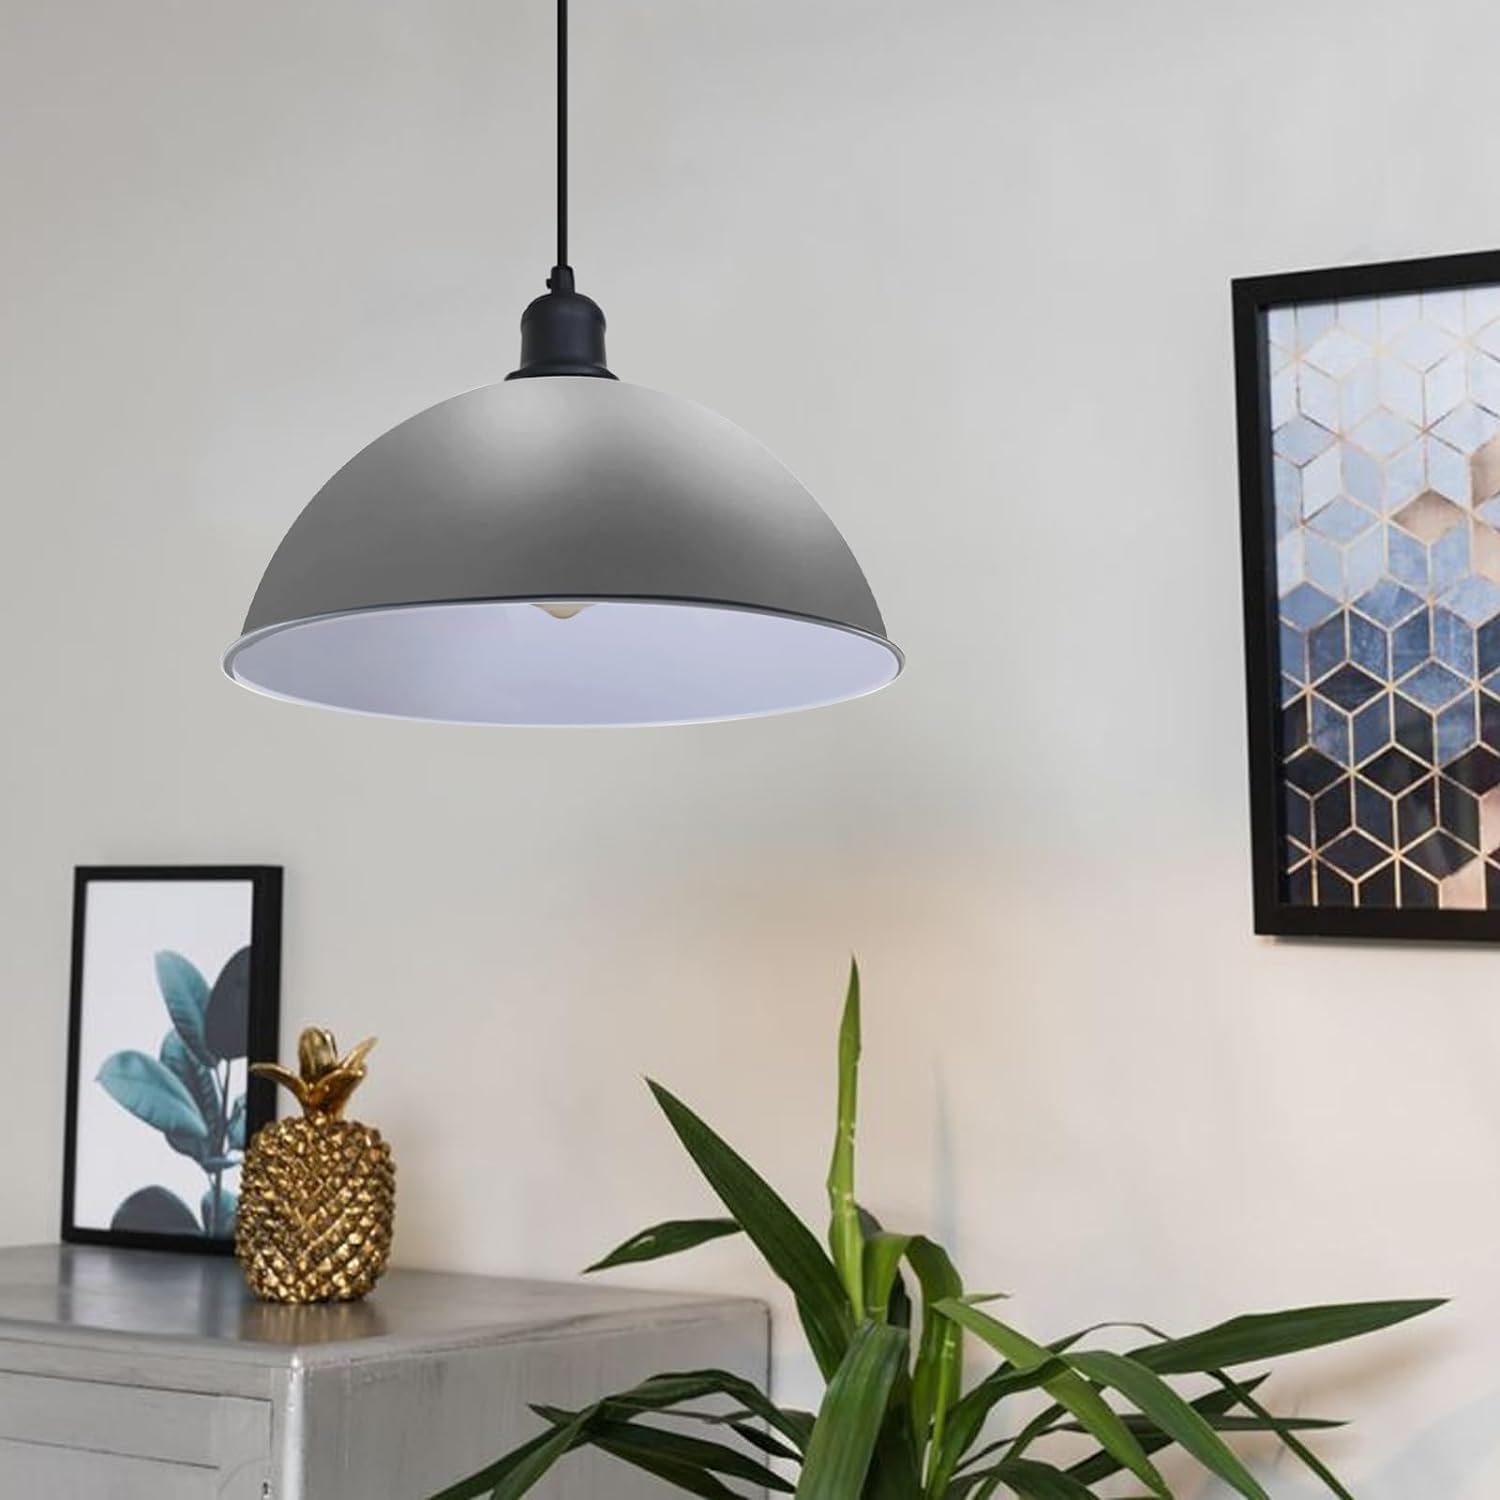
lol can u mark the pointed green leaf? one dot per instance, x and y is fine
(1068, 1389)
(152, 1094)
(525, 1465)
(628, 1439)
(845, 1237)
(1038, 1481)
(1241, 1392)
(850, 1417)
(679, 1475)
(1259, 1336)
(531, 1467)
(185, 992)
(781, 1237)
(669, 1238)
(483, 1481)
(1099, 1466)
(670, 1390)
(1153, 1397)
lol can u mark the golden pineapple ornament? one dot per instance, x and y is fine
(317, 1195)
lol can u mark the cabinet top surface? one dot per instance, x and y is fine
(77, 1294)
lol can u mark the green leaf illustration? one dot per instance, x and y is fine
(154, 1210)
(185, 992)
(152, 1094)
(196, 1077)
(226, 1019)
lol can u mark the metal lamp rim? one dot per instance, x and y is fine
(280, 627)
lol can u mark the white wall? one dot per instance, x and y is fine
(964, 266)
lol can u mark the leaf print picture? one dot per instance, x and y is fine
(174, 994)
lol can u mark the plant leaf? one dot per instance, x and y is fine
(1099, 1466)
(1067, 1388)
(845, 1237)
(781, 1237)
(516, 1480)
(226, 1016)
(940, 1352)
(1241, 1392)
(850, 1417)
(883, 1255)
(669, 1238)
(681, 1476)
(185, 992)
(967, 1417)
(153, 1210)
(663, 1391)
(533, 1458)
(629, 1439)
(1259, 1336)
(1154, 1398)
(1038, 1481)
(152, 1094)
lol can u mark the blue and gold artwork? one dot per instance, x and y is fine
(1385, 443)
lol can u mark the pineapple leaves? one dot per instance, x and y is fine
(850, 1418)
(781, 1237)
(285, 1077)
(670, 1238)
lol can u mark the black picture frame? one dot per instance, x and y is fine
(262, 1037)
(1254, 299)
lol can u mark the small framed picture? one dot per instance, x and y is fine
(1369, 439)
(175, 991)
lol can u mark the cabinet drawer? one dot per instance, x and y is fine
(30, 1470)
(210, 1432)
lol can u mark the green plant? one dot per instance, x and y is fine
(183, 1092)
(894, 1422)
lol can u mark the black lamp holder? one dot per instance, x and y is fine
(562, 333)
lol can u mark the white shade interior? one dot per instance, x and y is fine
(614, 662)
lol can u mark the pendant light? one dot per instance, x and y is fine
(563, 549)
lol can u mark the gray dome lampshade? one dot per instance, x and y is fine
(439, 574)
(563, 549)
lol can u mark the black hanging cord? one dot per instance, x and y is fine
(563, 332)
(562, 133)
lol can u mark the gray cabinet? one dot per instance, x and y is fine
(139, 1375)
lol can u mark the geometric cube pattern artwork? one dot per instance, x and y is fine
(1385, 417)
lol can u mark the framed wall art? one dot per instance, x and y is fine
(175, 987)
(1369, 438)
